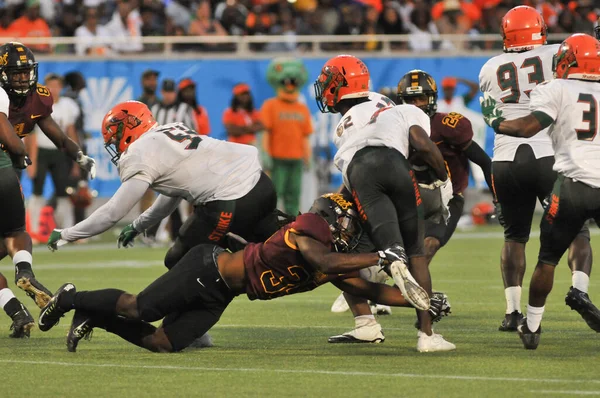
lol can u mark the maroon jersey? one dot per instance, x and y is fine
(38, 105)
(276, 268)
(450, 132)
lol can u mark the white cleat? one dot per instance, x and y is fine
(340, 304)
(371, 333)
(380, 309)
(433, 343)
(411, 290)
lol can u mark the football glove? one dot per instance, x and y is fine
(55, 240)
(21, 162)
(491, 115)
(127, 236)
(389, 255)
(498, 212)
(86, 163)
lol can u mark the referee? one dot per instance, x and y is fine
(170, 110)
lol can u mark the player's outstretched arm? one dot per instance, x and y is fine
(162, 207)
(377, 292)
(477, 155)
(430, 153)
(526, 126)
(105, 217)
(328, 262)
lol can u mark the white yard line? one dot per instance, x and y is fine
(87, 265)
(304, 371)
(567, 392)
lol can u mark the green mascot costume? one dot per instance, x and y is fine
(288, 125)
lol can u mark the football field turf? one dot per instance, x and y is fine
(280, 348)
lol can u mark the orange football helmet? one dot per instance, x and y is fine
(482, 213)
(578, 57)
(342, 77)
(124, 124)
(523, 28)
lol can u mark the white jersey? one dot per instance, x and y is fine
(4, 102)
(575, 133)
(375, 123)
(65, 113)
(176, 162)
(509, 79)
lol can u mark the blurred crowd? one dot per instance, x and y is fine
(129, 20)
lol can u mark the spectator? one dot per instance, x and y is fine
(312, 24)
(32, 25)
(125, 27)
(149, 86)
(453, 17)
(87, 35)
(205, 25)
(422, 30)
(47, 158)
(390, 21)
(179, 13)
(233, 19)
(285, 26)
(331, 17)
(352, 24)
(241, 120)
(451, 102)
(170, 110)
(371, 27)
(187, 95)
(152, 25)
(5, 22)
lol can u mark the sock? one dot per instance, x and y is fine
(132, 330)
(9, 302)
(34, 207)
(64, 212)
(364, 320)
(581, 281)
(534, 317)
(513, 299)
(22, 261)
(100, 301)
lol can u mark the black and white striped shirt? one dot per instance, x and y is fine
(177, 112)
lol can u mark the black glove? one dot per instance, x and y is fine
(498, 212)
(20, 162)
(389, 255)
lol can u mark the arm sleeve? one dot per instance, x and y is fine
(478, 156)
(416, 117)
(106, 216)
(162, 207)
(545, 98)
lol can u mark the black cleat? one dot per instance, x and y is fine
(22, 324)
(511, 322)
(530, 339)
(52, 313)
(81, 327)
(34, 289)
(580, 302)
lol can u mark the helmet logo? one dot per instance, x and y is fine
(339, 200)
(122, 120)
(4, 59)
(432, 83)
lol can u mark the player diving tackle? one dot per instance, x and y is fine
(192, 296)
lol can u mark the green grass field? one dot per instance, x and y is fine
(280, 348)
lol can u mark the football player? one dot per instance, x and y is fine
(30, 105)
(522, 168)
(192, 295)
(453, 134)
(223, 180)
(373, 140)
(568, 106)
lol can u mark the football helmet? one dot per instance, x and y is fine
(18, 69)
(522, 29)
(339, 212)
(416, 83)
(342, 77)
(578, 57)
(482, 213)
(124, 124)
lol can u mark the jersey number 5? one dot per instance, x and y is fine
(508, 78)
(590, 117)
(195, 139)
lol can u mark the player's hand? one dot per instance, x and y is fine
(21, 162)
(56, 240)
(491, 114)
(87, 163)
(389, 255)
(498, 211)
(127, 236)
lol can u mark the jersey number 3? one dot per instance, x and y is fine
(508, 78)
(590, 117)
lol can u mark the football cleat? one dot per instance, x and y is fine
(380, 309)
(203, 341)
(340, 304)
(411, 290)
(433, 343)
(52, 313)
(22, 324)
(530, 339)
(81, 327)
(511, 322)
(580, 302)
(371, 333)
(34, 289)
